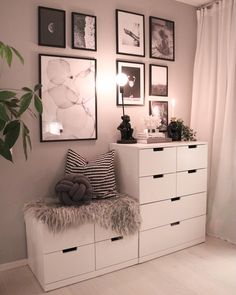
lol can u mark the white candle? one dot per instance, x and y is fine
(172, 108)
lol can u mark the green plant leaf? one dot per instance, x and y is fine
(11, 125)
(37, 87)
(29, 141)
(18, 55)
(8, 55)
(3, 113)
(25, 101)
(5, 95)
(12, 132)
(27, 89)
(13, 103)
(5, 151)
(2, 124)
(26, 139)
(38, 104)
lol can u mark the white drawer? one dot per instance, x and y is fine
(156, 188)
(176, 209)
(157, 161)
(191, 182)
(112, 252)
(59, 265)
(102, 234)
(72, 237)
(166, 237)
(192, 156)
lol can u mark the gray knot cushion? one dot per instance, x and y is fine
(74, 189)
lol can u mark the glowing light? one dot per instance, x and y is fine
(121, 79)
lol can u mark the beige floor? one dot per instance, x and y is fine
(206, 269)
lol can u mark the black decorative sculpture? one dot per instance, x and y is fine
(125, 127)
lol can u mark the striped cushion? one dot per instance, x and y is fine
(100, 172)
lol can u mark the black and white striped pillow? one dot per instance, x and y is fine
(100, 172)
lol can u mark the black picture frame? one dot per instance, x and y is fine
(134, 90)
(69, 98)
(130, 33)
(51, 27)
(158, 81)
(160, 109)
(161, 38)
(84, 31)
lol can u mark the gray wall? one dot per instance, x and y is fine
(35, 178)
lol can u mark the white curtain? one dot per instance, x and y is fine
(213, 113)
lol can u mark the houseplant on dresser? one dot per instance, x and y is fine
(14, 103)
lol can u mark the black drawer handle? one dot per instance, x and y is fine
(175, 199)
(69, 250)
(192, 171)
(175, 223)
(116, 238)
(158, 176)
(158, 149)
(193, 146)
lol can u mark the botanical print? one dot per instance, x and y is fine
(159, 109)
(84, 31)
(162, 38)
(69, 98)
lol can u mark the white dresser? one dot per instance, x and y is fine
(170, 182)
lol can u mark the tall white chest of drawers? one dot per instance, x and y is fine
(170, 182)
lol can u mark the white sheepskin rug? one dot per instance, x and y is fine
(120, 214)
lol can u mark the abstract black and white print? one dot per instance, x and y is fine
(162, 43)
(69, 98)
(83, 31)
(130, 33)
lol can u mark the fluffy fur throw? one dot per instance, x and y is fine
(120, 214)
(74, 189)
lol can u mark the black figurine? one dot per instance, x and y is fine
(126, 130)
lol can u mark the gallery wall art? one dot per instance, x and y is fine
(162, 38)
(134, 89)
(130, 33)
(51, 27)
(158, 83)
(84, 31)
(69, 98)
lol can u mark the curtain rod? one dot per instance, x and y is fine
(208, 5)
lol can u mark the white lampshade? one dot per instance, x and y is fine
(121, 79)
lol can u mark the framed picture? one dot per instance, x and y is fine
(84, 30)
(158, 83)
(162, 38)
(51, 27)
(69, 98)
(160, 109)
(134, 89)
(130, 31)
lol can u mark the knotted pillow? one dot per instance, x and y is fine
(74, 189)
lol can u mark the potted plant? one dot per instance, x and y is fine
(177, 130)
(13, 105)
